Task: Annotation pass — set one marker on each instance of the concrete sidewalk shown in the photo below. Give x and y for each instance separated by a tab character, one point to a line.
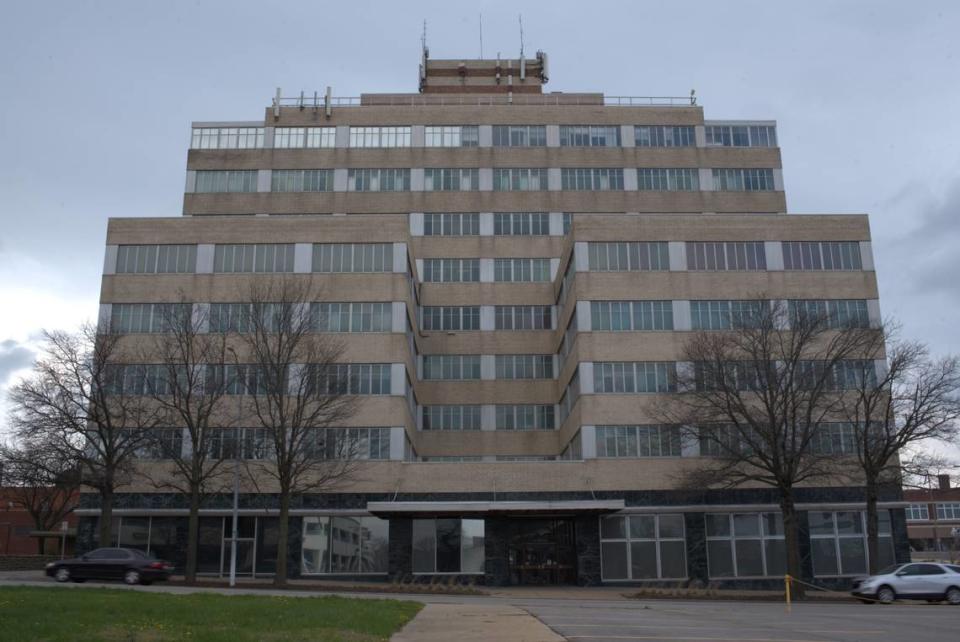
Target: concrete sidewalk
474	623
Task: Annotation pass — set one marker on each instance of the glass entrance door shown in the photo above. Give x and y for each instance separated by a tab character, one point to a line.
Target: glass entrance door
542	551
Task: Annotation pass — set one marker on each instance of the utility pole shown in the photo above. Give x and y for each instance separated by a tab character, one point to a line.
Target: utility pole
236	519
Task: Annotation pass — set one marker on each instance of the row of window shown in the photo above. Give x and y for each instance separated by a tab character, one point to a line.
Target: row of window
504	224
463	367
602	256
945	510
508	417
649	547
469	136
468	179
507	317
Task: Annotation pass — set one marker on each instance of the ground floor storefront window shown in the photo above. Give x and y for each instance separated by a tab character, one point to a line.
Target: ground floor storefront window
345	545
745	545
448	545
643	547
838	542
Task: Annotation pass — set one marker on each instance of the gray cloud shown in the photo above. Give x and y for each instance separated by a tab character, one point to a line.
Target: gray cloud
13	357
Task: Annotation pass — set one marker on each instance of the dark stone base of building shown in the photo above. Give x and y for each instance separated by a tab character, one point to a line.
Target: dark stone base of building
568	546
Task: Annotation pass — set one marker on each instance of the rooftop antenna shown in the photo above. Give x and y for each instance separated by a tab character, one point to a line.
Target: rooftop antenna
481	36
523	62
521	35
423	38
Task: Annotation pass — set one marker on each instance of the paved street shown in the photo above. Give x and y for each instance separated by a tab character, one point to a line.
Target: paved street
604	616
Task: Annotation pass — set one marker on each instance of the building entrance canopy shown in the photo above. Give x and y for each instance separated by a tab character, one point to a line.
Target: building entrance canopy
495	508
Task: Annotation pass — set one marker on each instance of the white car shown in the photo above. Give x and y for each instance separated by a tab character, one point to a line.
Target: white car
916	581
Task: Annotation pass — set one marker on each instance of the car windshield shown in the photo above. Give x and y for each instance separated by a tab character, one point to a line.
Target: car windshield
889	569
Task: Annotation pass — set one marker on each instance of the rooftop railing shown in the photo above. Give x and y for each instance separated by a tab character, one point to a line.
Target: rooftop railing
319	101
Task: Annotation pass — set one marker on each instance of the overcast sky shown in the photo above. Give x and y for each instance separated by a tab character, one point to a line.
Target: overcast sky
97	100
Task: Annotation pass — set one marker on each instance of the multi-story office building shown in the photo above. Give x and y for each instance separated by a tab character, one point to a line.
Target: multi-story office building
933	520
516	273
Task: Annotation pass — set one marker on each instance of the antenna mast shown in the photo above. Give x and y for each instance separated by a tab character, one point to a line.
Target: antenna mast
521	35
481	36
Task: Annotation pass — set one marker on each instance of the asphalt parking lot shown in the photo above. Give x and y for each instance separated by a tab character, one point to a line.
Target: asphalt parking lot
691	621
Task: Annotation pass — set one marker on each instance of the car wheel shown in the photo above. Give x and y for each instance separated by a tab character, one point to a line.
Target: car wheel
952	596
132	577
885	595
62	574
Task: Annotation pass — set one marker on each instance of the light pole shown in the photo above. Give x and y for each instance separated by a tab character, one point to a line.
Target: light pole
236	519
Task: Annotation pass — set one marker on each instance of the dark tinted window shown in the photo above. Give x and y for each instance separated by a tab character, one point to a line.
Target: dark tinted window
115	554
930	569
100	554
912	569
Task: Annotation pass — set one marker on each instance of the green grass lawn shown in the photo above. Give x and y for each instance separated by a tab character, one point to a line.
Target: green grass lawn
47	614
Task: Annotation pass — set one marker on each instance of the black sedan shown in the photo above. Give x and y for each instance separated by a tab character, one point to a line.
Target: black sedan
127	564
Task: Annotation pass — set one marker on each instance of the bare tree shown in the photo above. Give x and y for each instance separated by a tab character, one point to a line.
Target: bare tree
755	395
916	399
82	402
297	387
192	409
42	482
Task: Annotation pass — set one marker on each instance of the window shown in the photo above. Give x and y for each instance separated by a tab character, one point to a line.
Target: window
227	138
745	545
302	180
451	367
454	179
519	135
300	137
917	512
846	374
354	545
948	510
241	317
566	343
831	313
353	257
838	542
521	270
570	396
725	315
212	181
743	180
156	259
573	450
589	136
243	379
451	417
448	545
521	224
451	224
519	179
352	443
628	257
668	180
721	257
525	417
274	257
161	443
638	441
352	378
451	270
835	438
727	440
138	379
352	317
239	443
664	136
452	136
600	179
379	137
378	180
567	222
524	366
523	317
130	318
634	377
643	547
451	317
621	316
741	136
821	255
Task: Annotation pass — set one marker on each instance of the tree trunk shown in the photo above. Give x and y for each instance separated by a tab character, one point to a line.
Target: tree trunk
873	542
193	528
106	518
791	540
280	579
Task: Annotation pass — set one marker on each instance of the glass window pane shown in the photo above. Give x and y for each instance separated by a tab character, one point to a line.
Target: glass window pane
824	556
821	523
448	545
472	536
719	558
643	560
673	560
643	527
853	557
749	561
717	524
374	549
776	552
316	545
614	557
424	546
671	526
612	527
